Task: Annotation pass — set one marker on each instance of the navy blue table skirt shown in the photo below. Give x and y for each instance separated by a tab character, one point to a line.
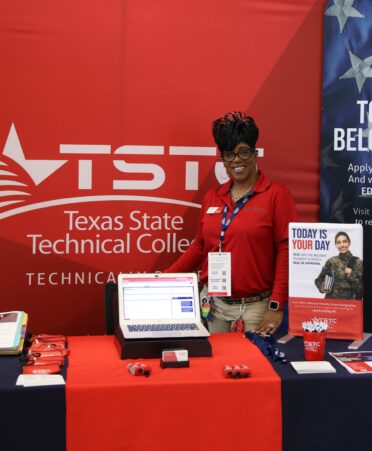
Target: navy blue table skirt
32	418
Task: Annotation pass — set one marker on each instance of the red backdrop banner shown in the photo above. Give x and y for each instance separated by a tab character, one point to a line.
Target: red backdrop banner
106	149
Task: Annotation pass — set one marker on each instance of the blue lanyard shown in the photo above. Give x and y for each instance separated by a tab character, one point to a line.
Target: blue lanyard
227	221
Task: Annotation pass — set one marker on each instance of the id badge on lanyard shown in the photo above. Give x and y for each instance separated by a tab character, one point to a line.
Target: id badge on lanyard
219	263
219	274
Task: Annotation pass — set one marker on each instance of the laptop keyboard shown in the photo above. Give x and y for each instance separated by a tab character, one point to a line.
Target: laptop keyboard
161	327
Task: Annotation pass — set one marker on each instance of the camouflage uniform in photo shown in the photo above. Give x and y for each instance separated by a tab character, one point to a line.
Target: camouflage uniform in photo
344	287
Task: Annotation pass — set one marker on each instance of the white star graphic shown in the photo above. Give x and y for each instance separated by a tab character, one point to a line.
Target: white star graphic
338	207
38	170
326	157
343	9
360	70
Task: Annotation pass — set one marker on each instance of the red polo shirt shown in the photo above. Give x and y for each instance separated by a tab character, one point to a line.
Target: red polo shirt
257	239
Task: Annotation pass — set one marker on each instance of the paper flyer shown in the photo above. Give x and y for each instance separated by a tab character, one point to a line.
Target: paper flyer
356	362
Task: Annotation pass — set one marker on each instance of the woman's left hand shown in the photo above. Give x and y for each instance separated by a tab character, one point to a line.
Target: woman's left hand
271	321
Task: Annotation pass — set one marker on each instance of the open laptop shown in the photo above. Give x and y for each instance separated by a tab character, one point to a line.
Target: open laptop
159	306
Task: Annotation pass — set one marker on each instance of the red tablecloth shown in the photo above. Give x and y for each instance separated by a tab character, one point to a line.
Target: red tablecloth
193	408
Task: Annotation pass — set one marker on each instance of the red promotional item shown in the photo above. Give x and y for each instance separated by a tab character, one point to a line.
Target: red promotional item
238	325
236	371
48	353
46	369
139	369
314	345
59	341
42	361
47	338
45	345
48	347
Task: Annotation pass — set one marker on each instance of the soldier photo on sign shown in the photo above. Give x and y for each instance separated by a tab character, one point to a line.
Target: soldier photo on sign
341	276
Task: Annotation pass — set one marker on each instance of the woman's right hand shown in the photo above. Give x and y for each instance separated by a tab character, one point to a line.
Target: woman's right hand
323	290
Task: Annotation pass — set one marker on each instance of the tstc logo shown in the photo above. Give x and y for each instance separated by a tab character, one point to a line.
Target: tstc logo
330	321
16	193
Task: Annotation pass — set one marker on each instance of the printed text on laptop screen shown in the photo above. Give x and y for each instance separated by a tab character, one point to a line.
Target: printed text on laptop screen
163	299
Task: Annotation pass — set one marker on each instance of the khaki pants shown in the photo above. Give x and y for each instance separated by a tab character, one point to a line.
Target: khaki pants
224	314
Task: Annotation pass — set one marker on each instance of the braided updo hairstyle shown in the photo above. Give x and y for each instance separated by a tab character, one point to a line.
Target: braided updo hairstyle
232	129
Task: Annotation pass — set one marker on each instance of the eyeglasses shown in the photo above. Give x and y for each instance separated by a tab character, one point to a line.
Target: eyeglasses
244	154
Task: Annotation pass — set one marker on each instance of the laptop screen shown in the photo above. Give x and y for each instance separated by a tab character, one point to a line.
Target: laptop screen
158	297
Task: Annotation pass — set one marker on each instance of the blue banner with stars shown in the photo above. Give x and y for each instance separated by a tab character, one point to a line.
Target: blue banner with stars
346	147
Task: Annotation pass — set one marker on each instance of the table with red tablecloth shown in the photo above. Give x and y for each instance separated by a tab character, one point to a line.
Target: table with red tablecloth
192	408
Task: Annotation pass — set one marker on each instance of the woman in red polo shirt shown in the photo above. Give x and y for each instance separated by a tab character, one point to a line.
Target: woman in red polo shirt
242	237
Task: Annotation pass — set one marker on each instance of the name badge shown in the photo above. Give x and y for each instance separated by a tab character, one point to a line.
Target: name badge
219	274
213	210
